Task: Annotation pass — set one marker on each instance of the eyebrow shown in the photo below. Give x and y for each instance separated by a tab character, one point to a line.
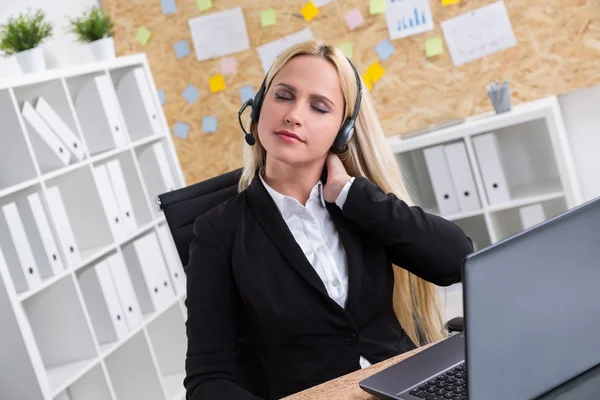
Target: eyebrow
293	89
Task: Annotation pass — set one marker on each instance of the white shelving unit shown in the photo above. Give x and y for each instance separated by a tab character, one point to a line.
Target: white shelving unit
538	166
83	316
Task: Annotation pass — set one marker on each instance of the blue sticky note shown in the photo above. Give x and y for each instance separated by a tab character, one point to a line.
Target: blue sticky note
181	130
209	124
162	97
182	48
191	94
385	49
168	6
246	92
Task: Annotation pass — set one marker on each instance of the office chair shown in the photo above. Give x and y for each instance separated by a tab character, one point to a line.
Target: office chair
181	208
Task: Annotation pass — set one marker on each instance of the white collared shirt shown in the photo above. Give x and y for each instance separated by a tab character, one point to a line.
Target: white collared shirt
317	236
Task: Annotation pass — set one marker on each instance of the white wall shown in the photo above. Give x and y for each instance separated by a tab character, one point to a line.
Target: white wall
61	49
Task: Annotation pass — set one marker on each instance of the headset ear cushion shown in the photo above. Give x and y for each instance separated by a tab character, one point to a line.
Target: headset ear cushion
343	137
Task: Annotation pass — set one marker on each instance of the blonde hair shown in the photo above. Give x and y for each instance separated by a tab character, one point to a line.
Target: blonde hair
415	300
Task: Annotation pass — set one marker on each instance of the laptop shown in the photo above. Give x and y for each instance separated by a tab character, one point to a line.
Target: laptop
532	319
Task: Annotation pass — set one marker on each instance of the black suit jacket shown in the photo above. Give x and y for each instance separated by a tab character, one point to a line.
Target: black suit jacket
246	267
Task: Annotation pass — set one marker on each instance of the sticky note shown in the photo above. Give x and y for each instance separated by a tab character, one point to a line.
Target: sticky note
367	81
309	11
181	130
143	35
216	83
385	49
449	2
377	6
374	72
168	6
204	5
162	97
346	48
182	48
434	46
246	92
191	94
228	66
354	19
209	124
268	17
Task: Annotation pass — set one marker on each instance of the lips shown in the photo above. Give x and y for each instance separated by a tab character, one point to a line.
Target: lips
289	134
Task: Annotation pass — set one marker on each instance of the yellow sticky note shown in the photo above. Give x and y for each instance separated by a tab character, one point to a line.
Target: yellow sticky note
216	83
377	6
367	81
449	2
309	10
143	35
346	48
204	5
434	46
375	72
268	17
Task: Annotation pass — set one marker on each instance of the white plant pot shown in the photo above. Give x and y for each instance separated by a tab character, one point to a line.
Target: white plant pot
31	60
103	49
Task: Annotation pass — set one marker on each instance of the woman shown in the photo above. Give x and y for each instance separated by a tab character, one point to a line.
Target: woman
302	258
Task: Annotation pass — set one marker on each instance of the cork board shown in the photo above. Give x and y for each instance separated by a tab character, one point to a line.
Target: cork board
558	47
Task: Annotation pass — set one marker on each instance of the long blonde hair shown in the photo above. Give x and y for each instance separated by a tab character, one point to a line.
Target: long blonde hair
415	301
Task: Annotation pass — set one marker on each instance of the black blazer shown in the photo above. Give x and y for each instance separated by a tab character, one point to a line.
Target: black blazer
246	268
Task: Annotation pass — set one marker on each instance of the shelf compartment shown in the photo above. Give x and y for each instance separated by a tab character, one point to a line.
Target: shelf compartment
132	371
417	180
91	386
64	339
16	162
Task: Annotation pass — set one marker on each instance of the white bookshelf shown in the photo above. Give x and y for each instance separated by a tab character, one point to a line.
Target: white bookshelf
538	165
72	329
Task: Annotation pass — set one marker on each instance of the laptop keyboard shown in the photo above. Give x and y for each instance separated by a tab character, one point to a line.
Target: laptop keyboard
449	385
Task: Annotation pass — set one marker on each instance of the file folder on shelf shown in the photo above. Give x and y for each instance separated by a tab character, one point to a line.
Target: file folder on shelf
125	291
462	176
163	167
138	104
487	150
62	225
172	259
117	179
61	153
60	128
443	189
531	215
109	202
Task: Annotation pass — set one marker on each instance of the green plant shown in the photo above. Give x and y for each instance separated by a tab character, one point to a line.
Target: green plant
24	32
92	25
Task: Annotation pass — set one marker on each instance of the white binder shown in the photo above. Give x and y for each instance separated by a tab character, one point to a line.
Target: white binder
140	110
532	215
59	127
22	246
62	225
488	156
462	176
109	202
443	189
154	270
124	287
163	166
172	259
112	109
117	179
61	153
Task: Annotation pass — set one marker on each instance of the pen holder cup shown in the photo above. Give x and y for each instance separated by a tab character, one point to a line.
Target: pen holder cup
501	99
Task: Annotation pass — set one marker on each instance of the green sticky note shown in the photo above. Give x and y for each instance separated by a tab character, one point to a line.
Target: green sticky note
377	6
434	46
268	17
204	5
143	35
346	48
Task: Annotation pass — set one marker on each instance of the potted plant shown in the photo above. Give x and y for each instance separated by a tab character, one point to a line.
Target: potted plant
96	28
21	37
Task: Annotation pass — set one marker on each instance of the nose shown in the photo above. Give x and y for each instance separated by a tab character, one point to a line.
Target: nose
292	117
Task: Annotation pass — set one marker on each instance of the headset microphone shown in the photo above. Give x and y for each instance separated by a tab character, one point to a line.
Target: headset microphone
248	136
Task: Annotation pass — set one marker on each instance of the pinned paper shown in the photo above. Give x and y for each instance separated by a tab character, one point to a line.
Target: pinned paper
309	11
374	72
204	5
449	2
182	48
168	6
408	17
191	94
209	124
162	97
181	130
268	17
269	52
346	48
354	19
434	46
385	49
143	35
377	6
246	93
228	66
321	3
216	83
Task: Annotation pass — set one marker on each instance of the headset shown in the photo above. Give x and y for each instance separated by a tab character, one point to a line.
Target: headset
340	144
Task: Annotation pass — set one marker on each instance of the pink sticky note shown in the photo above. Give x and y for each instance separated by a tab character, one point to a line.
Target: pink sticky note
354	19
228	66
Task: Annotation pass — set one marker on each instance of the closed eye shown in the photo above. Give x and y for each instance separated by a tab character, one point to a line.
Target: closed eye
285	98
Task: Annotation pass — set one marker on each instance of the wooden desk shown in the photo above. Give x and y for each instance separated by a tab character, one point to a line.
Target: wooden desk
346	387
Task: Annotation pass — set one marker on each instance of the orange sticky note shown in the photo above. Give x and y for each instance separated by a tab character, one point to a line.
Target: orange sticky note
375	72
309	10
449	2
216	83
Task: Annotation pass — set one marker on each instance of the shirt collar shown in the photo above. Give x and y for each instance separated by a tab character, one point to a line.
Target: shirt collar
278	198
